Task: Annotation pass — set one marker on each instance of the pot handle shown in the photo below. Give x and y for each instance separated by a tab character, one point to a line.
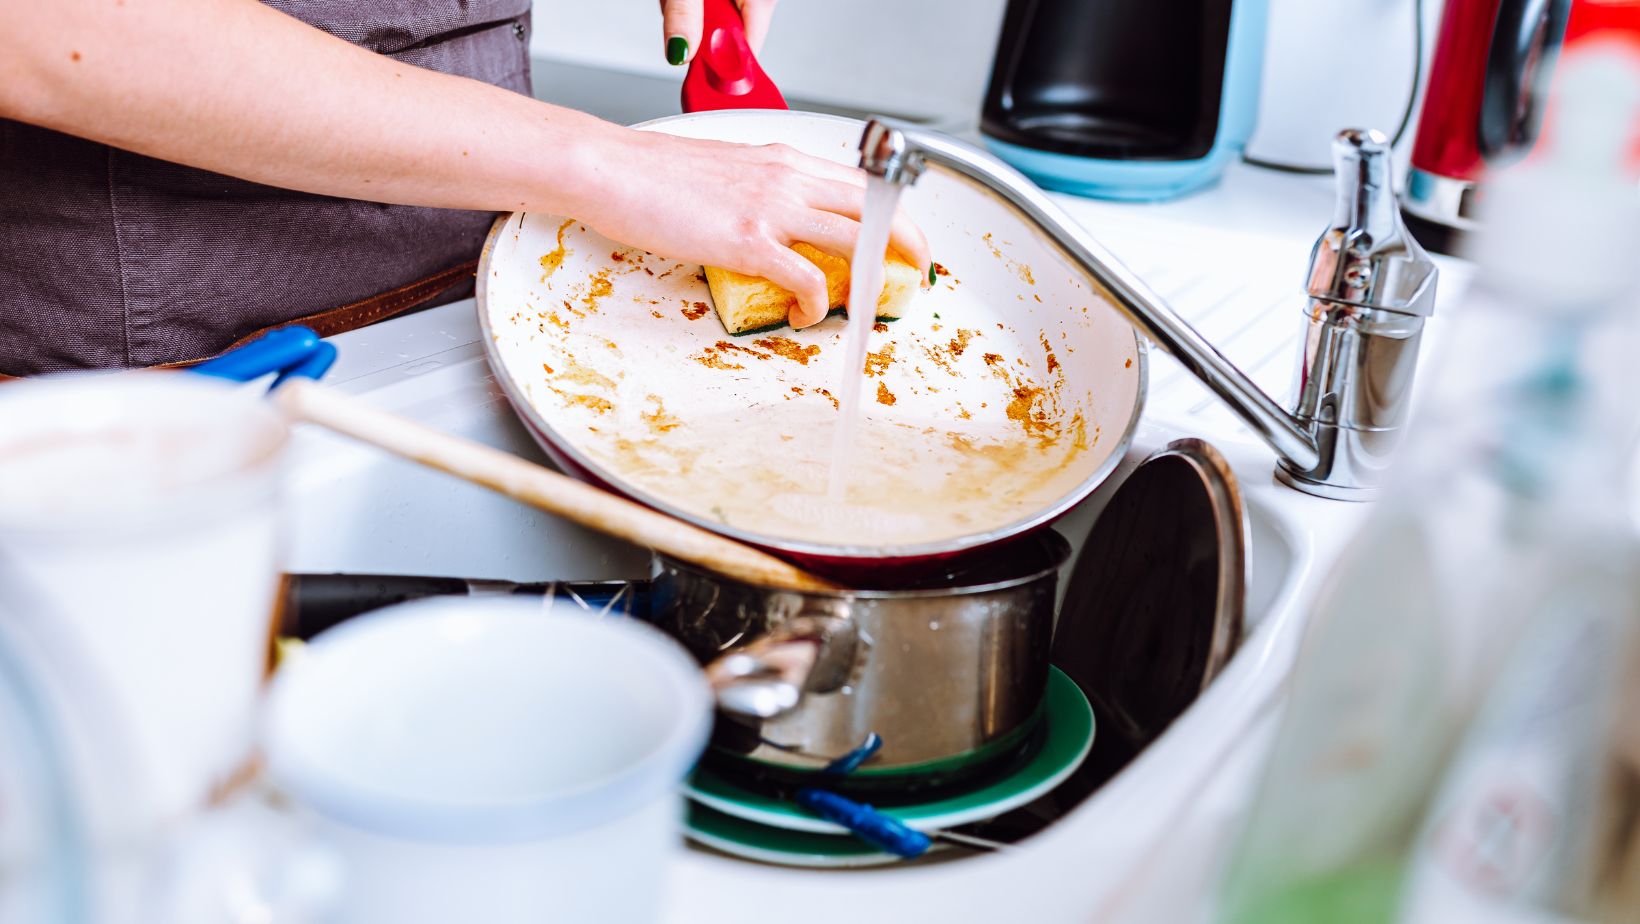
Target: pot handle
768	676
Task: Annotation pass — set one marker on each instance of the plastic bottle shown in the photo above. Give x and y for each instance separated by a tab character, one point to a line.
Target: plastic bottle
1507	491
1538	818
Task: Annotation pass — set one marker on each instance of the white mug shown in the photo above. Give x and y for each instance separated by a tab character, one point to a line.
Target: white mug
490	760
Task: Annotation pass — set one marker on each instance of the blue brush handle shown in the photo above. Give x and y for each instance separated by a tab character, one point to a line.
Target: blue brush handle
865	822
313	367
292	352
851	761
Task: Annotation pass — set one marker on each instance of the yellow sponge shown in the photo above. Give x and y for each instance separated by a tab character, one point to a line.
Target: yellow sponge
751	304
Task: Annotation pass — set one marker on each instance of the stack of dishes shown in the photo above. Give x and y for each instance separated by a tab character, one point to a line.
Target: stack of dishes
756	824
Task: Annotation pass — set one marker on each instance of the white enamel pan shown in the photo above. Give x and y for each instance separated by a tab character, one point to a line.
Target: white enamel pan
1007	393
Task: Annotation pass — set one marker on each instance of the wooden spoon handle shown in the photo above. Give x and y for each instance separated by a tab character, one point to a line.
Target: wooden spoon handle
539	487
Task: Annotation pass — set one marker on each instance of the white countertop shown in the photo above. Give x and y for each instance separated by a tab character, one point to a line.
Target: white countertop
1230	259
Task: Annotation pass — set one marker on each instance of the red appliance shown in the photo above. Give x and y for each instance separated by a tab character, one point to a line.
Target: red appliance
1488	83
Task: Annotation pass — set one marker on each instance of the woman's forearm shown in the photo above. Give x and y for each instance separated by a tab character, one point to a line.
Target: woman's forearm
239	88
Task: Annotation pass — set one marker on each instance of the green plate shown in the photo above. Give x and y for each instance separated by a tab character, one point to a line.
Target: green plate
752	841
1069	736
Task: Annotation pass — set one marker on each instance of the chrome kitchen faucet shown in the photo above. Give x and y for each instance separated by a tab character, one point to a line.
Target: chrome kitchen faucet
1370	287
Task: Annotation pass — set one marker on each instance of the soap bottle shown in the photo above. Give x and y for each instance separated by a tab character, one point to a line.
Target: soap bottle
1538	816
1505	487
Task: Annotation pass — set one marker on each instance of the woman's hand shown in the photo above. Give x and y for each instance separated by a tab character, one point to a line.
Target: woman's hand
740	207
681	20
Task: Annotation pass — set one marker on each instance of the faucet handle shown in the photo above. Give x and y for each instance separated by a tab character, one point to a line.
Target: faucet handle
1367	257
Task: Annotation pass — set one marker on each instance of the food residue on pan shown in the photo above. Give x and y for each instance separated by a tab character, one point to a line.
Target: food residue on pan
724	346
597	287
1047	348
554	258
961	341
940	270
1017	268
581	375
597	404
1026	410
880	327
658	419
947	355
713	357
694	311
711	360
877	363
787	348
884	396
829	396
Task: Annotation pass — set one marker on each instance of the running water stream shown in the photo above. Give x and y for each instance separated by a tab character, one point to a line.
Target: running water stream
865	287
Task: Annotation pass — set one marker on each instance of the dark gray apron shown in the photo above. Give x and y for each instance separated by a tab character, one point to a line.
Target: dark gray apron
109	258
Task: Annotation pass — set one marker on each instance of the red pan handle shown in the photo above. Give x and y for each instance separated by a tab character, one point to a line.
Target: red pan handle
724	73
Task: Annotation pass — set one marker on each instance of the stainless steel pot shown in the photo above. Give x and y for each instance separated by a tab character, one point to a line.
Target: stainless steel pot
950	674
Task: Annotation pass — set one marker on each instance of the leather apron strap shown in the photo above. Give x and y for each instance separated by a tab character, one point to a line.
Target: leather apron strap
357	314
367	311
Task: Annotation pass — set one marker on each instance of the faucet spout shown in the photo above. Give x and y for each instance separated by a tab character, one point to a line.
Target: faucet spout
901	153
1370	288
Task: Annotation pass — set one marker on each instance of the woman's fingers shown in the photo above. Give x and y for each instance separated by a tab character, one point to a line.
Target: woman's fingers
908	239
839	188
829	231
818	166
849	200
756	14
782	266
681	22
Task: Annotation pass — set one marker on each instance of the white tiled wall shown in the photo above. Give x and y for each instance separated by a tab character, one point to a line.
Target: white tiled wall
1331	63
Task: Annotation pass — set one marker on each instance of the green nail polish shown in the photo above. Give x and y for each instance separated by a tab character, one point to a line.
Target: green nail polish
677	48
930	274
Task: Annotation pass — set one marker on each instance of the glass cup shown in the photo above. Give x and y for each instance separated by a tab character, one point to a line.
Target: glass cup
139	548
